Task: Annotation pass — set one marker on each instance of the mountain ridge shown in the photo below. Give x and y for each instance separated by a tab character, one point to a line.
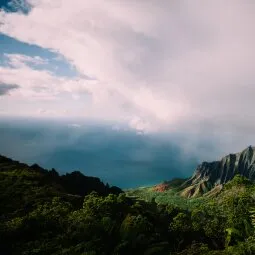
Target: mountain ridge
211	175
24	186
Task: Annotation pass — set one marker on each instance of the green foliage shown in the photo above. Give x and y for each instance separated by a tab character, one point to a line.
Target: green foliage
238	180
44	213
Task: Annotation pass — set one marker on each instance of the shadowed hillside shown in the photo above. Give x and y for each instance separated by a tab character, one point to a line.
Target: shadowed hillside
212	176
23	186
44	213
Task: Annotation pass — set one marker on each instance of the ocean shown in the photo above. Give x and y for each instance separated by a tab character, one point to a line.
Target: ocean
116	154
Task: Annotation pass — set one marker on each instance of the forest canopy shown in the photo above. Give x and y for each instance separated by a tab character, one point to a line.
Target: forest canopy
42	212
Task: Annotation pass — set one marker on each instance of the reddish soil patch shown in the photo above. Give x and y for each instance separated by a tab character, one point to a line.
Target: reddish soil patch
161	187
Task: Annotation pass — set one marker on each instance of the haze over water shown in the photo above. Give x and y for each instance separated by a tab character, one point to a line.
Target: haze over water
118	156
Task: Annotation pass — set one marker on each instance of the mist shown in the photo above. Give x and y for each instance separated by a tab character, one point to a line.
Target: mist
118	156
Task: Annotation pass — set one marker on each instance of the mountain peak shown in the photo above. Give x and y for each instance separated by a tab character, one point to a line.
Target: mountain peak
209	175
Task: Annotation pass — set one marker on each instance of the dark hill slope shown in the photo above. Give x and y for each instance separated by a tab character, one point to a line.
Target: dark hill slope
23	186
39	216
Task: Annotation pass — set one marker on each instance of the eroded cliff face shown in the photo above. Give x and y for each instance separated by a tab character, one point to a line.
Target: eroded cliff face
212	176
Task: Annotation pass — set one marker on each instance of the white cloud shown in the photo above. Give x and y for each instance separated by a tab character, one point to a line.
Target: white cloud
37	83
19	60
156	63
74	125
139	124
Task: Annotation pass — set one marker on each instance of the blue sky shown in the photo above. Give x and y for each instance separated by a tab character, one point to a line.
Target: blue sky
56	64
157	66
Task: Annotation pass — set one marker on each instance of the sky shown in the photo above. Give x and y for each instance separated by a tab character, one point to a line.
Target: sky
156	65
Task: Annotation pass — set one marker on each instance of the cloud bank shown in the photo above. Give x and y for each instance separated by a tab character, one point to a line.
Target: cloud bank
159	65
6	88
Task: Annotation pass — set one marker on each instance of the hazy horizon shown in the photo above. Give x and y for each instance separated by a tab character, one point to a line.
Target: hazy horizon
166	84
120	157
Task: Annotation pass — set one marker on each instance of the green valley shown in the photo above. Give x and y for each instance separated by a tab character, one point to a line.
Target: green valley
42	212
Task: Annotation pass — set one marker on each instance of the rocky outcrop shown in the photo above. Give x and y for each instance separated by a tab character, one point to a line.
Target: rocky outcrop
167	185
162	187
213	175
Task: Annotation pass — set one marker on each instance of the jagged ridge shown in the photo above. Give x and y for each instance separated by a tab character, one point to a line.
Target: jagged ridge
213	175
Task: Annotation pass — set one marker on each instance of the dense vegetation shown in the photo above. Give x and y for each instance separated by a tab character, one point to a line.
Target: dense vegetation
44	213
